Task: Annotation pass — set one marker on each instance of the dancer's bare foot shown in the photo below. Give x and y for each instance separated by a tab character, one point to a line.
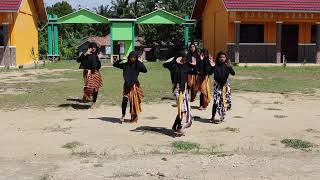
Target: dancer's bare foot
201	108
93	106
122	119
212	120
134	118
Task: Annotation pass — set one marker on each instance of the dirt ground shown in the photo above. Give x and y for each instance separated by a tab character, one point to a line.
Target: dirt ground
246	146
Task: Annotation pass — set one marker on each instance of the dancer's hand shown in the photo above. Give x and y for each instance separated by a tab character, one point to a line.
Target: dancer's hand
194	61
100	55
211	60
88	52
228	62
89	72
201	56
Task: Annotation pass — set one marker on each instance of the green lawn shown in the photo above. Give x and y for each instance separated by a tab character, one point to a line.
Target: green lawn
156	84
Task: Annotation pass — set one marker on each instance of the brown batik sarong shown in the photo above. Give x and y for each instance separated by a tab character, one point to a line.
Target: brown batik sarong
93	82
203	85
135	98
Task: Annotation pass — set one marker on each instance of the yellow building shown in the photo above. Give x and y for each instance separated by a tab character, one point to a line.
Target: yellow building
261	31
19	30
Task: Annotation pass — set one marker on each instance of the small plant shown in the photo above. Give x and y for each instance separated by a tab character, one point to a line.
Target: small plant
44	177
72	145
20	66
304	62
185	146
297	144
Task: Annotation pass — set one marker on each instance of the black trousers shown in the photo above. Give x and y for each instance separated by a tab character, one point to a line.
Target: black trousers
94	96
214	110
125	100
201	99
177	124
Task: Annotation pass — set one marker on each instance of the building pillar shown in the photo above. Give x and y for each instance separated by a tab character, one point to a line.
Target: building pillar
186	33
318	42
237	41
278	41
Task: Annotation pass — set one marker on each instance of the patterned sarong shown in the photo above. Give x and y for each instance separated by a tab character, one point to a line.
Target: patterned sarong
93	82
222	98
135	98
184	107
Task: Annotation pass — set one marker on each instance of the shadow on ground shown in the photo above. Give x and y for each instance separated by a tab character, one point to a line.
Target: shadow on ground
111	119
158	130
75	106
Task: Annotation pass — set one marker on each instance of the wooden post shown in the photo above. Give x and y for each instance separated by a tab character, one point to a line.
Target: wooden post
318	42
278	43
237	41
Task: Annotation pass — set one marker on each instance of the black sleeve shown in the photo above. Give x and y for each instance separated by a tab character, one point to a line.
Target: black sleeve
169	65
95	62
81	58
118	65
142	67
232	71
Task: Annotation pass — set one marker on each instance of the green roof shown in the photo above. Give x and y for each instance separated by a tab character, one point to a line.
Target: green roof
83	16
160	16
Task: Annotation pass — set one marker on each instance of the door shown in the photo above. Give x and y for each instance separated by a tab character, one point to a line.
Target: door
289	42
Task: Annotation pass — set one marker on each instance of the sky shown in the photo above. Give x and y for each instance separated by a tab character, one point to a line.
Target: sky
84	3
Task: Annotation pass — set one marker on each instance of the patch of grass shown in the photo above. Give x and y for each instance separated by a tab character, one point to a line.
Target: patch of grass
280	116
151	118
126	174
69	119
185	146
310	130
98	165
297	144
238	117
72	145
273	109
83	153
58	128
44	177
265	79
235	130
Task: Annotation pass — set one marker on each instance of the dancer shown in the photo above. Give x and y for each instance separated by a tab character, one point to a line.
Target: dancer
202	79
90	62
180	68
132	91
192	56
222	89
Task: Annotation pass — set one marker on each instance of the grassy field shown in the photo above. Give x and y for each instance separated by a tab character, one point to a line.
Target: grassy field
156	84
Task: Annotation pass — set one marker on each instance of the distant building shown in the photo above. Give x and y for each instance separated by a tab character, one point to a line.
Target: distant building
261	31
19	30
104	45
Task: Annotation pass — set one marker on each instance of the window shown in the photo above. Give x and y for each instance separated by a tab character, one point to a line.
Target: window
313	34
251	33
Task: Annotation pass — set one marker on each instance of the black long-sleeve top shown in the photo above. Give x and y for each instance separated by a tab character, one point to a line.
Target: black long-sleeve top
179	72
90	61
221	73
204	67
193	54
130	71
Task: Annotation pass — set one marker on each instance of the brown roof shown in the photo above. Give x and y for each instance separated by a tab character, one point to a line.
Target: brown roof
105	41
262	5
14	6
